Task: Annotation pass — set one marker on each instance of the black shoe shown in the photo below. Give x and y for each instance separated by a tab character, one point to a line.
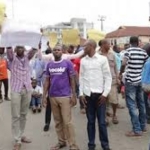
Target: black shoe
39	110
148	121
34	111
46	128
91	148
107	149
7	99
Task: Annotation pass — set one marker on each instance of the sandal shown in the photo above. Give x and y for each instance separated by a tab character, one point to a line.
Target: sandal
58	146
120	107
25	140
115	120
109	114
133	134
17	147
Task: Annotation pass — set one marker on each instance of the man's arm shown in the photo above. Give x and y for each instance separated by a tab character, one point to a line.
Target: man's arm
31	53
81	74
106	77
10	54
77	55
73	85
46	86
44	56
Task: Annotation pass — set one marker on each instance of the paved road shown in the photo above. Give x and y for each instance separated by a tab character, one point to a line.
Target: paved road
43	141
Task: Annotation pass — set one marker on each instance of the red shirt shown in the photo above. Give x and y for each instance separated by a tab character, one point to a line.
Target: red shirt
76	64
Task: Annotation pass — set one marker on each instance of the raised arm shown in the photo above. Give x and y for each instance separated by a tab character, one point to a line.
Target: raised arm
31	53
77	55
10	54
107	78
44	56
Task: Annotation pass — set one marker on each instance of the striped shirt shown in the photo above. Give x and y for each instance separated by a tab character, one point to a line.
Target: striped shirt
20	71
136	58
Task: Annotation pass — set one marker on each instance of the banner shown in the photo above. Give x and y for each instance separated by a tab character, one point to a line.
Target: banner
19	34
95	35
11	39
70	36
53	39
2	11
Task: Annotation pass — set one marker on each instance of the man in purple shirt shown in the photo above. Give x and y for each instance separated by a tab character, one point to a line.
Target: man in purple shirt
20	91
60	84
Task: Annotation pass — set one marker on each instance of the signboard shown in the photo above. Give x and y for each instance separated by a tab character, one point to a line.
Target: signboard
70	36
20	34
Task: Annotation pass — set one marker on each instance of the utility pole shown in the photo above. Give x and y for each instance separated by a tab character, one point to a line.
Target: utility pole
101	19
149	11
13	14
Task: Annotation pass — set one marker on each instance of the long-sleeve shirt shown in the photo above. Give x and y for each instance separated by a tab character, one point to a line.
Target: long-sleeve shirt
95	75
20	70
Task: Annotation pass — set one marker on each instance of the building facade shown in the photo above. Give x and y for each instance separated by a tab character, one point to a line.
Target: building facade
122	35
75	23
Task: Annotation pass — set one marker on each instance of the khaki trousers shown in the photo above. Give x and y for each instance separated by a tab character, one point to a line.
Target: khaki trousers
2	134
61	109
19	109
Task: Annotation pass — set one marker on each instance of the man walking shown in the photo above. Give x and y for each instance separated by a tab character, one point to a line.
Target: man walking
95	84
20	92
134	60
60	82
3	75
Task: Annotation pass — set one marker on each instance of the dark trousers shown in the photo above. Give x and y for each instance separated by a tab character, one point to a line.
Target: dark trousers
147	106
48	112
93	111
5	82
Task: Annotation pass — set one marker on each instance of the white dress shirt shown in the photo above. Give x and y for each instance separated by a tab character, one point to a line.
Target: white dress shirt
95	75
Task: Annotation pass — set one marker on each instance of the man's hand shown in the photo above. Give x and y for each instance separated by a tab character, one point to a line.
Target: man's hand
118	82
102	100
83	100
73	101
120	77
44	101
40	45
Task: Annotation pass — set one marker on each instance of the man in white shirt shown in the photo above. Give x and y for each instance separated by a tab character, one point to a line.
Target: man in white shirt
95	84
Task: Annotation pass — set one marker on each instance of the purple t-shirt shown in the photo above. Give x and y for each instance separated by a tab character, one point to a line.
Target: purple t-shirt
59	73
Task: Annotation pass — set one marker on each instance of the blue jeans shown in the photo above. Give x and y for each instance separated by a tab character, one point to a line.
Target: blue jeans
135	99
147	106
93	110
35	101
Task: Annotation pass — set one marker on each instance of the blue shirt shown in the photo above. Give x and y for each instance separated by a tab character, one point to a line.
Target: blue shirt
39	66
146	73
118	60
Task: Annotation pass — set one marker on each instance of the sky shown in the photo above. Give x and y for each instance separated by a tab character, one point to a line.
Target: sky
49	12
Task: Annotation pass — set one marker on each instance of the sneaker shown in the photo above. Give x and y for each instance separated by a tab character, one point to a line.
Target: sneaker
46	128
39	110
34	110
144	130
7	99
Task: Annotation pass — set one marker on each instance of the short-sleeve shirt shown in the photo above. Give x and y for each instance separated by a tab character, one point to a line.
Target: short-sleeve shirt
37	89
136	58
3	69
59	73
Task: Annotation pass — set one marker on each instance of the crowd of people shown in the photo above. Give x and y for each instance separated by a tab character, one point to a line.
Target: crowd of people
94	76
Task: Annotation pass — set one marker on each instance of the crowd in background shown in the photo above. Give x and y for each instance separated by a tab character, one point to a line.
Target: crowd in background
94	75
